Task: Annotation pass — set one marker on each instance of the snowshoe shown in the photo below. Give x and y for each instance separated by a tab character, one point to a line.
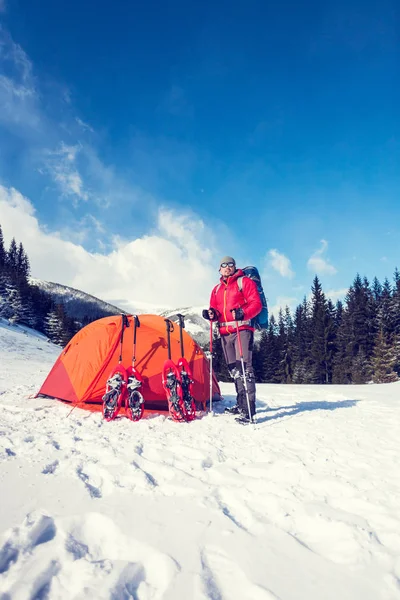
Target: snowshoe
172	385
134	399
187	384
115	393
243	418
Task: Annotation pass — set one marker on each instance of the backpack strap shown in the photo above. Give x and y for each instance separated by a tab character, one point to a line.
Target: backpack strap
239	282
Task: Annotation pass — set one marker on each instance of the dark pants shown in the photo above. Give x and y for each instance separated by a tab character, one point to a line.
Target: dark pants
230	347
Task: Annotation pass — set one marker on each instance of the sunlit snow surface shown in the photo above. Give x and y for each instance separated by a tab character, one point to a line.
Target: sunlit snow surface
305	504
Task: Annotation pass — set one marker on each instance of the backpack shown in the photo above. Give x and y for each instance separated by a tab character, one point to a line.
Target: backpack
261	320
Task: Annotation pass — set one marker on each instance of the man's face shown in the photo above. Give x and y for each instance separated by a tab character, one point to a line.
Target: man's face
227	269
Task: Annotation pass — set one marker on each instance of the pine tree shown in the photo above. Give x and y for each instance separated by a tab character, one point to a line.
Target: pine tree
302	343
376	290
4	277
11	258
257	358
383	360
16	305
22	265
289	345
396	303
318	303
342	362
385	313
271	355
42	304
54	326
330	348
323	334
285	339
357	332
7	291
338	314
360	368
396	353
2	251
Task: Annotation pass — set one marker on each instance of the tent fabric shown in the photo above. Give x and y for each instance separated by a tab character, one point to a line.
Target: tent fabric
80	373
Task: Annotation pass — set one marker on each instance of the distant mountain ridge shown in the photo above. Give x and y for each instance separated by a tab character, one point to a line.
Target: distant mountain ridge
78	305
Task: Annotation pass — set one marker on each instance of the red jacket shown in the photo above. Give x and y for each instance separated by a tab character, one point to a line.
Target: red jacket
226	296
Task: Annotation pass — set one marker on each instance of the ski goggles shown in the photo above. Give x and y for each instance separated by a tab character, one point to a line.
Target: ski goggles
229	264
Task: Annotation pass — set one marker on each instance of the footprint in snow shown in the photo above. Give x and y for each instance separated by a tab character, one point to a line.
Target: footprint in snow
222	577
207	463
94	490
89	552
236	504
50	468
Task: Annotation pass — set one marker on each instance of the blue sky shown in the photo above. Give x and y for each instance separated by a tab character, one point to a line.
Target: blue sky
269	131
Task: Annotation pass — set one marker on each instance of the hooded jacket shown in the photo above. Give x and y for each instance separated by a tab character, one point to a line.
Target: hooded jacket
226	296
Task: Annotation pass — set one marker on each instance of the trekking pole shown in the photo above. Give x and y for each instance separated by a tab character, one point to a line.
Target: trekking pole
125	323
169	327
244	372
211	362
135	326
181	327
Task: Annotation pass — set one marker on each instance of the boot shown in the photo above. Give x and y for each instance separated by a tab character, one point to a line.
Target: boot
243	417
233	410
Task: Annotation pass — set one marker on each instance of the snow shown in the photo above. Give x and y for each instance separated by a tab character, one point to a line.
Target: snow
305	504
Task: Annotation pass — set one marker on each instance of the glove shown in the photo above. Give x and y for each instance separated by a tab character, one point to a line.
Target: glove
209	314
238	314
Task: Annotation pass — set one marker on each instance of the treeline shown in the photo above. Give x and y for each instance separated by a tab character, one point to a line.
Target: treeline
26	304
355	341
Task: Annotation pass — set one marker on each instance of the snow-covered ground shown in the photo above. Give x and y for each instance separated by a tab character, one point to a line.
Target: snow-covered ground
303	505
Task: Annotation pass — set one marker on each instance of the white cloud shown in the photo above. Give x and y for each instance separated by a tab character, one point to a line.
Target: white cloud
61	165
318	264
18	94
84	125
2	6
174	266
280	263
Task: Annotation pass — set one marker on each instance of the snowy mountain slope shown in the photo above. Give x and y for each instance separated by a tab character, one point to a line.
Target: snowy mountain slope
75	301
302	505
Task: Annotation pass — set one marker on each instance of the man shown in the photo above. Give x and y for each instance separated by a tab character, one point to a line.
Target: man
235	303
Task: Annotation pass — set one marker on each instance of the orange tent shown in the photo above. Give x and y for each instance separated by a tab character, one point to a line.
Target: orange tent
80	373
